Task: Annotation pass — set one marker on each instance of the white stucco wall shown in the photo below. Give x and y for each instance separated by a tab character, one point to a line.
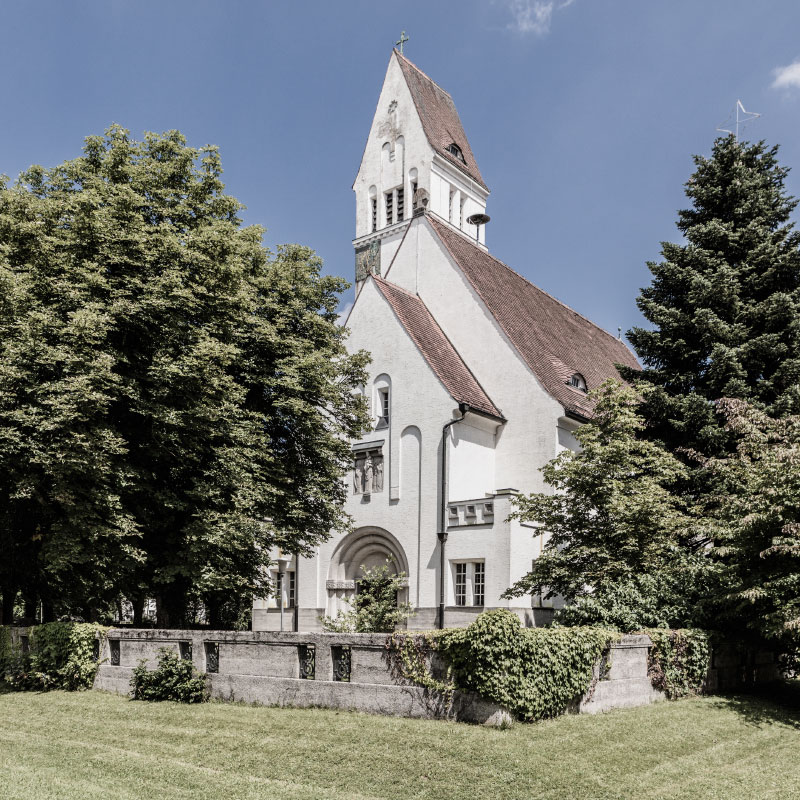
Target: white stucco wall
486	460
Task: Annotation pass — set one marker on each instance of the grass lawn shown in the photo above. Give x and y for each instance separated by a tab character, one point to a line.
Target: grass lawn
93	745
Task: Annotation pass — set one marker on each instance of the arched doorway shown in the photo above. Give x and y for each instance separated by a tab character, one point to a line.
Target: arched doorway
362	549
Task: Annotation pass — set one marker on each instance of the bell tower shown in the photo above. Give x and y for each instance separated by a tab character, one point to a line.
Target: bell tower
416	160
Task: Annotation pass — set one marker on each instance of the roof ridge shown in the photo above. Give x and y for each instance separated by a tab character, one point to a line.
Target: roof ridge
423	73
469	241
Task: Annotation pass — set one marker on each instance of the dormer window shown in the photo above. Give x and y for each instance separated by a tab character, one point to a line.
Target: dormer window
456	152
577	381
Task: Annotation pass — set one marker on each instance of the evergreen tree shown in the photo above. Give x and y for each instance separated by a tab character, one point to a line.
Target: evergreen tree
175	400
725	305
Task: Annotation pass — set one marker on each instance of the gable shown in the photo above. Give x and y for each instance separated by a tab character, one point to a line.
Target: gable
552	339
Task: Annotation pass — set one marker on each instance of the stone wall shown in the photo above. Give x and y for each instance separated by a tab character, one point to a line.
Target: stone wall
343	671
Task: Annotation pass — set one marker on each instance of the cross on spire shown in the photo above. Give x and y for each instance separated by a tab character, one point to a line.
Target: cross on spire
403	40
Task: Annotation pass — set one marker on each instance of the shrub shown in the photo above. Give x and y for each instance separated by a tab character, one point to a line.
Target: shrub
173	679
5	650
678	661
535	673
374	608
61	655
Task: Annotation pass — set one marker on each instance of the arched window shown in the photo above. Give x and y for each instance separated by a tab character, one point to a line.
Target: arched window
577	381
373	208
456	152
381	408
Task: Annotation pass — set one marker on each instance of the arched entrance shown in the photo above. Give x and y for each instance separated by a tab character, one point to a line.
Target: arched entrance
362	549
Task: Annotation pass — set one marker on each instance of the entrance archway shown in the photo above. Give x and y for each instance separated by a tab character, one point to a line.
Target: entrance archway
364	548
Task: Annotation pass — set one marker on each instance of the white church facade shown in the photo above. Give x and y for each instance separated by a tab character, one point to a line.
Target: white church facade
477	379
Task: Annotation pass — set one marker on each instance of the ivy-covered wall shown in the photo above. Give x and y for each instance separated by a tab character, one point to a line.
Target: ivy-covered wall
56	655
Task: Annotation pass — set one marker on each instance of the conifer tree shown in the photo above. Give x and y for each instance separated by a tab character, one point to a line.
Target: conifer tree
725	304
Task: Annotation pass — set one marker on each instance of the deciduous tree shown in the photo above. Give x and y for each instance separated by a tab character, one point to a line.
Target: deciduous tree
174	399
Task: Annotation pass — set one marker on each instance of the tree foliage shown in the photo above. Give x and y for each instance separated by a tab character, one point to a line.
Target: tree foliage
725	304
174	398
612	520
757	527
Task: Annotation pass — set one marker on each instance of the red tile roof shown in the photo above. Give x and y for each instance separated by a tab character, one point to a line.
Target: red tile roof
555	341
436	347
439	117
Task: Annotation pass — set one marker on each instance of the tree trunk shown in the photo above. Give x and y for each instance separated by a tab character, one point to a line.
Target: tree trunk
138	611
7	613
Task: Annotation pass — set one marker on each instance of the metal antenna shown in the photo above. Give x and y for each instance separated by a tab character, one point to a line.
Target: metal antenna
739	117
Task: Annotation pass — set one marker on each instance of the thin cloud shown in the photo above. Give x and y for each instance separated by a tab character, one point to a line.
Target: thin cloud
535	16
787	77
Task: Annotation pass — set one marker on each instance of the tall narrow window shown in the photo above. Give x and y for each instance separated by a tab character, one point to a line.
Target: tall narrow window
401	204
291	598
374	210
478	583
413	195
461	584
389	207
461	212
450	205
383	408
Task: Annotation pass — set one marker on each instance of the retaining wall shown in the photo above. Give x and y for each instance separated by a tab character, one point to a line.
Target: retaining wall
343	671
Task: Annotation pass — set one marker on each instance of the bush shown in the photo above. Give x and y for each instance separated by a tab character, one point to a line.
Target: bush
678	661
61	655
535	673
374	608
173	679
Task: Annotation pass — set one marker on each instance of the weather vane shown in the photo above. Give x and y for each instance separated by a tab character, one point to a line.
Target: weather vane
739	117
403	40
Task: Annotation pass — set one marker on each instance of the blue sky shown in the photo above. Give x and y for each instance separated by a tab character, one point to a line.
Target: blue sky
583	114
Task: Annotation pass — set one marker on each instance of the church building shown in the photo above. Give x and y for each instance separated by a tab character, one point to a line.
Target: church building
478	378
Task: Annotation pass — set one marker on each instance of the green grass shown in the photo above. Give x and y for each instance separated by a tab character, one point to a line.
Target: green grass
90	745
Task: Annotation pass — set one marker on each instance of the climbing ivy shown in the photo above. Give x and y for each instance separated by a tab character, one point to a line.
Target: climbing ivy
678	661
61	655
535	673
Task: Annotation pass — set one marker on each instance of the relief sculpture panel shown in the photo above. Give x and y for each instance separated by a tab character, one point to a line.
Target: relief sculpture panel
368	472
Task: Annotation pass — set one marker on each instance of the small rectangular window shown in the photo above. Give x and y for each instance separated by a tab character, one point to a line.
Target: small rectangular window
401	204
389	207
374	208
479	583
461	584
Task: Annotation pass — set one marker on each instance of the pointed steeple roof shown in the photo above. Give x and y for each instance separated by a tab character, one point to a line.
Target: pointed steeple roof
439	118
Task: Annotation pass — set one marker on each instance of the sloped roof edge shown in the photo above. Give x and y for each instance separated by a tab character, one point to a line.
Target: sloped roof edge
436	348
554	340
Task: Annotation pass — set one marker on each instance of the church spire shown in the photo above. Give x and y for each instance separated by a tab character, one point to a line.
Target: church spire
417	157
